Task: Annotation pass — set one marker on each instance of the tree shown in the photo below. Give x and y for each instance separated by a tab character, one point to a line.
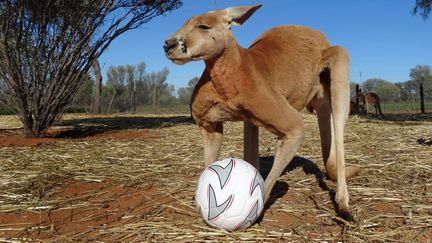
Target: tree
131	87
408	90
141	85
47	46
156	81
372	84
116	77
127	86
386	90
185	93
422	74
423	7
167	97
96	107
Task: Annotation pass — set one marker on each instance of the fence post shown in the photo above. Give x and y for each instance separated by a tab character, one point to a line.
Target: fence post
357	100
422	107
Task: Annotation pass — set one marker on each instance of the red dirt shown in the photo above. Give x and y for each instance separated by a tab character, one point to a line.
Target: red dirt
106	204
15	138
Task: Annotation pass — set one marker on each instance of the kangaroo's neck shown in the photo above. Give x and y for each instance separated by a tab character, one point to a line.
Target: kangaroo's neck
228	69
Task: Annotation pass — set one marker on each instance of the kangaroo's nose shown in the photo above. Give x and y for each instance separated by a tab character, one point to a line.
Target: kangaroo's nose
170	44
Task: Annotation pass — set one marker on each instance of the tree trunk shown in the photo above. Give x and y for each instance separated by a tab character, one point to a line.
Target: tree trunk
422	105
112	101
134	96
91	103
154	100
98	87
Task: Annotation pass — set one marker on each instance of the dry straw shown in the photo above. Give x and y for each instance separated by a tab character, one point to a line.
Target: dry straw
391	200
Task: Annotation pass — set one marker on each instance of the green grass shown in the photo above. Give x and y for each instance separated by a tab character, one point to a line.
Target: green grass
396	107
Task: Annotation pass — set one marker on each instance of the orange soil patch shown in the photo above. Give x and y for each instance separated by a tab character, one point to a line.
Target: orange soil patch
104	205
15	138
98	206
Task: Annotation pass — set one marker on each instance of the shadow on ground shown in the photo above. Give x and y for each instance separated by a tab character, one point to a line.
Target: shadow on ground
400	117
81	128
281	188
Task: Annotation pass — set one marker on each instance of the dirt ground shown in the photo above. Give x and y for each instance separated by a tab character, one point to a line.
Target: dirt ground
132	178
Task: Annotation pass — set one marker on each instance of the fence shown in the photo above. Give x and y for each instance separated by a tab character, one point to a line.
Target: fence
417	101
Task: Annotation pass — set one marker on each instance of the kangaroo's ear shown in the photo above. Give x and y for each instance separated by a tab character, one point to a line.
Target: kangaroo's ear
238	15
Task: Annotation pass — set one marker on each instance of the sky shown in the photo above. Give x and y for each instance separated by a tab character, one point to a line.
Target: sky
383	38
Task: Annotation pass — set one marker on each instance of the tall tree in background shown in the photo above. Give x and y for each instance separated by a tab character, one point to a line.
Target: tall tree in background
167	98
185	93
47	46
140	85
96	99
386	90
372	84
409	90
422	74
423	7
131	87
156	81
127	85
116	77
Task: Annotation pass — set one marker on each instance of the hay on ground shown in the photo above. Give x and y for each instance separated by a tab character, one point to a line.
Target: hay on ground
391	199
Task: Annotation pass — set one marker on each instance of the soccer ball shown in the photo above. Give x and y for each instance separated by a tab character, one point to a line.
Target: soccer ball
230	194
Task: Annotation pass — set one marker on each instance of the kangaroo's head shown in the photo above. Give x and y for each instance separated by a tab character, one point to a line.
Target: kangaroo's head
205	36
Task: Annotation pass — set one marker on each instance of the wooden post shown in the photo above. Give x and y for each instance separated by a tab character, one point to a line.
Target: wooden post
357	100
250	143
422	107
96	105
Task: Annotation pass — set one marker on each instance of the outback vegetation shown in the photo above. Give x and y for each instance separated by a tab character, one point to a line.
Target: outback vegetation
47	49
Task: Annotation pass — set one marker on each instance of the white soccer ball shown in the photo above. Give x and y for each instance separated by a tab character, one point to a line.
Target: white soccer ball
230	194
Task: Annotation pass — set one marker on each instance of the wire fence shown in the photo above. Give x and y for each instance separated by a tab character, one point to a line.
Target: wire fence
412	106
419	100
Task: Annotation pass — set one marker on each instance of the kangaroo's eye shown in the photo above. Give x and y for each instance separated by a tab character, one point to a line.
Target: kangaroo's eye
204	27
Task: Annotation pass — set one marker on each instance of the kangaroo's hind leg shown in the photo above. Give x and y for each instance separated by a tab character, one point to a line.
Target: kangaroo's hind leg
332	116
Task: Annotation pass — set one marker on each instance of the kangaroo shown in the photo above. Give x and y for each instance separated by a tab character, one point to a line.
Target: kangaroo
286	69
370	98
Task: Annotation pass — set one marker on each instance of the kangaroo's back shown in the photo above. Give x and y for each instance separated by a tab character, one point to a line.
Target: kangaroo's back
291	55
293	35
292	48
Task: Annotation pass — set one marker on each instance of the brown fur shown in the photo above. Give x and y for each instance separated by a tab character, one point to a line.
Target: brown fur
286	69
371	98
